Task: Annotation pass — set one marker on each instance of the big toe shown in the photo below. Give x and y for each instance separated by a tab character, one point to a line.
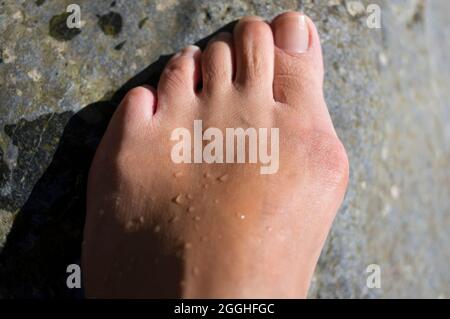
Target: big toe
298	56
298	70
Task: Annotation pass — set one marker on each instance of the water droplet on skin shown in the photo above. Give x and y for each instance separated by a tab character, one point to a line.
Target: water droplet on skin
141	219
188	245
207	175
177	174
189	196
268	228
178	199
197	218
174	219
223	178
190	209
242	216
157	229
216	201
205	186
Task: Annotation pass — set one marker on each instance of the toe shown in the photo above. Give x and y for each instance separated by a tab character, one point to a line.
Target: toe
298	57
254	50
135	111
298	74
217	64
180	78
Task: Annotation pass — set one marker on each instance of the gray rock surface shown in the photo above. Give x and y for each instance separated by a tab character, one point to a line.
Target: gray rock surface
387	91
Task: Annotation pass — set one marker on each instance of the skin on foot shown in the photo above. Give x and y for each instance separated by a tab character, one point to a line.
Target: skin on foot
155	228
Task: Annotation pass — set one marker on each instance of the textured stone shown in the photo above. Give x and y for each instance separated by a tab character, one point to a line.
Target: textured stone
387	90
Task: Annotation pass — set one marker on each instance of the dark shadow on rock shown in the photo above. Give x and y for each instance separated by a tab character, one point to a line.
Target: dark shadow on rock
47	232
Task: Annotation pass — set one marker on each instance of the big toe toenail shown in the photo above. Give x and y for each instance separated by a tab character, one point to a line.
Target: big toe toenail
291	32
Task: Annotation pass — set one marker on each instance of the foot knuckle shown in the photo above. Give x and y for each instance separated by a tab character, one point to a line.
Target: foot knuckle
214	73
180	64
293	65
176	72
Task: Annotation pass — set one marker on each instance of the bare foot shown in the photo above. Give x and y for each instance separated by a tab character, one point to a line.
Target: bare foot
156	228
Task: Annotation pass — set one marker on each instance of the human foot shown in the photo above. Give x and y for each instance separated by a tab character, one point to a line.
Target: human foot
155	228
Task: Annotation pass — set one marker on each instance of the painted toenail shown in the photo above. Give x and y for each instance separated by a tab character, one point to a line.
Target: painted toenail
292	33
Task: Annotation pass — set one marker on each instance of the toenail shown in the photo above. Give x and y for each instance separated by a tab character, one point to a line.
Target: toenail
148	87
222	36
190	50
252	18
292	33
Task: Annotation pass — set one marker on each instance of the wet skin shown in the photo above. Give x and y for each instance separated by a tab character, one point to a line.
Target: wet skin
156	228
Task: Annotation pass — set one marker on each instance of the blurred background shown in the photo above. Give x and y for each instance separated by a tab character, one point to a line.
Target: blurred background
387	89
